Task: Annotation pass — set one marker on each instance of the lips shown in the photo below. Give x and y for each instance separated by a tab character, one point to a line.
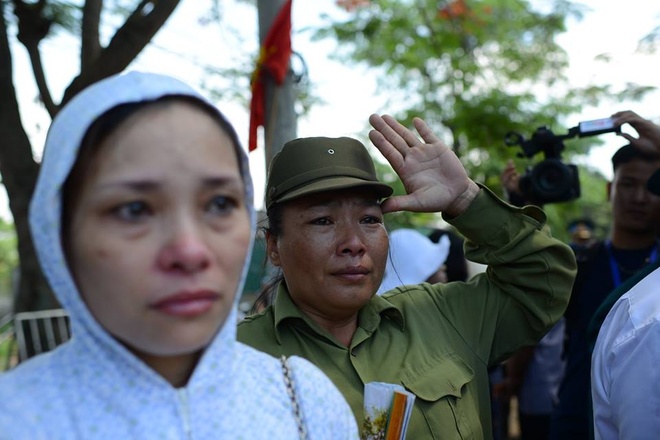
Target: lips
353	270
187	303
637	213
352	273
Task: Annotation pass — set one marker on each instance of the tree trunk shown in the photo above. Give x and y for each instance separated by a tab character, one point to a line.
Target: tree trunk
19	173
17	165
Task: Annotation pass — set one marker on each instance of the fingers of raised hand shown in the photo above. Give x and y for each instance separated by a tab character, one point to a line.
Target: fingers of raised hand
396	134
408	136
382	126
425	131
382	136
389	151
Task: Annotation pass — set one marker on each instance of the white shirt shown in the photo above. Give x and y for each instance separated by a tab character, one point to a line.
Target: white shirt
625	373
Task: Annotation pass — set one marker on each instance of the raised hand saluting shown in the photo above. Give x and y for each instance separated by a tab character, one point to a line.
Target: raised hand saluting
434	178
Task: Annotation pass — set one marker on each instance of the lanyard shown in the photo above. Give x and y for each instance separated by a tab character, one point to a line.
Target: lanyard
616	274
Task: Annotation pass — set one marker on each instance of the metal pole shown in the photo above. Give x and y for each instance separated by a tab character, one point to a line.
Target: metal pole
281	119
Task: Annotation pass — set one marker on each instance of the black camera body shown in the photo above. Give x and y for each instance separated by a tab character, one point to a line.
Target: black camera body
552	180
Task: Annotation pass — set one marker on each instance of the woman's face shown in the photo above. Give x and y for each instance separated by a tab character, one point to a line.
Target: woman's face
332	251
160	230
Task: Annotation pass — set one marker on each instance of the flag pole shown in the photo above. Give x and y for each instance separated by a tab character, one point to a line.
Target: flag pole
280	119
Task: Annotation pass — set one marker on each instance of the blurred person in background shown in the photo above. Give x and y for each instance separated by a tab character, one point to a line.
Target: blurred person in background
581	231
456	265
606	265
625	377
625	331
413	258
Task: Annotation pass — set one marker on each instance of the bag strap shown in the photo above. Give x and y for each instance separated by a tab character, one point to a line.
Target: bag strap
291	390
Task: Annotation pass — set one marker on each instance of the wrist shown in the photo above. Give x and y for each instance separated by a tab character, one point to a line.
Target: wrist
463	201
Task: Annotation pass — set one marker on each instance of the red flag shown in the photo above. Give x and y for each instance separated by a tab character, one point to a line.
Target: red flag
274	60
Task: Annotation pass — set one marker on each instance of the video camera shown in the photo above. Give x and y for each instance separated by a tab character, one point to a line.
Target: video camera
551	180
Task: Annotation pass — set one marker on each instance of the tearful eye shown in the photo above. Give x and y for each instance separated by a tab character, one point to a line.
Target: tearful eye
132	210
222	205
321	221
372	220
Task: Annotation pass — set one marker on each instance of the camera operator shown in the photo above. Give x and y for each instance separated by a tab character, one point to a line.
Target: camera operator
510	178
607	264
625	373
648	139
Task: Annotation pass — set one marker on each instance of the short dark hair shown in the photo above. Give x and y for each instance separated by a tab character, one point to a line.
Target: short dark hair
628	153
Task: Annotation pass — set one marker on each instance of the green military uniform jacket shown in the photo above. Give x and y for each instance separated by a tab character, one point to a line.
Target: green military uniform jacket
438	340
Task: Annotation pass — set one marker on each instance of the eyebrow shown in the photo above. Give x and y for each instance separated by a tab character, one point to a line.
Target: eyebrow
214	182
147	185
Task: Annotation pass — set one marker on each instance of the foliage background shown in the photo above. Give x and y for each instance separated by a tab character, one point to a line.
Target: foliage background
476	70
473	74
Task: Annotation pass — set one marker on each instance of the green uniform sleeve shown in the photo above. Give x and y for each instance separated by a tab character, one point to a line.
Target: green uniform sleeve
525	288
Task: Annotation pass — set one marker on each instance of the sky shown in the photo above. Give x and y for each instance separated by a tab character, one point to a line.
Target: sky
349	93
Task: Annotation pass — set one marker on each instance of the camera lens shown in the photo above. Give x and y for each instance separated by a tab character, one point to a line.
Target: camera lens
550	179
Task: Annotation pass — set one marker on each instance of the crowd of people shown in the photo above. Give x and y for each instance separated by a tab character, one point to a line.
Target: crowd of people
607	268
143	221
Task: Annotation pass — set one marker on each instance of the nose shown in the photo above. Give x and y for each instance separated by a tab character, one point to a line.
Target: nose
350	241
641	194
184	249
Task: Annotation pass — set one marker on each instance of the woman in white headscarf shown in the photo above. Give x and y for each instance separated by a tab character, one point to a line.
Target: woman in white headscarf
142	218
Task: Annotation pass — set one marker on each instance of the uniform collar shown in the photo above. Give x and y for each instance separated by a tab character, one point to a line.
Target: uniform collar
369	317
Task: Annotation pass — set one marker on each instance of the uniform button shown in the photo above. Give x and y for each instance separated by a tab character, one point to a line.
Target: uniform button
353	352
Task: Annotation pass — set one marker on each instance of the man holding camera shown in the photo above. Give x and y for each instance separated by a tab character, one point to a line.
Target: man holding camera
602	265
625	375
605	265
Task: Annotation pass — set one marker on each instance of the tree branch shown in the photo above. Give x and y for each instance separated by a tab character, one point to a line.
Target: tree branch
129	40
33	26
91	44
40	78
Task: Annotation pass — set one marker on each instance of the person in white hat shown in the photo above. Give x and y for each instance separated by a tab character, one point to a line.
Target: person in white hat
414	259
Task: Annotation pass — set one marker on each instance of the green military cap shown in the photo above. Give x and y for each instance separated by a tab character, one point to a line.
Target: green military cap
315	164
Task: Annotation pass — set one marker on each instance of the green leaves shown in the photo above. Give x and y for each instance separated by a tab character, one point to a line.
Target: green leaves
8	257
475	70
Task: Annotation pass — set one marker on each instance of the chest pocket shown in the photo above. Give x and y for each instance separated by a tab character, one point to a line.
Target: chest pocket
444	393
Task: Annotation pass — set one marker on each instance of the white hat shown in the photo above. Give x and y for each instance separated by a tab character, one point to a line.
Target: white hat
413	258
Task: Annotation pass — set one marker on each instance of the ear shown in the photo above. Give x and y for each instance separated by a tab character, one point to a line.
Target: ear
609	191
272	249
